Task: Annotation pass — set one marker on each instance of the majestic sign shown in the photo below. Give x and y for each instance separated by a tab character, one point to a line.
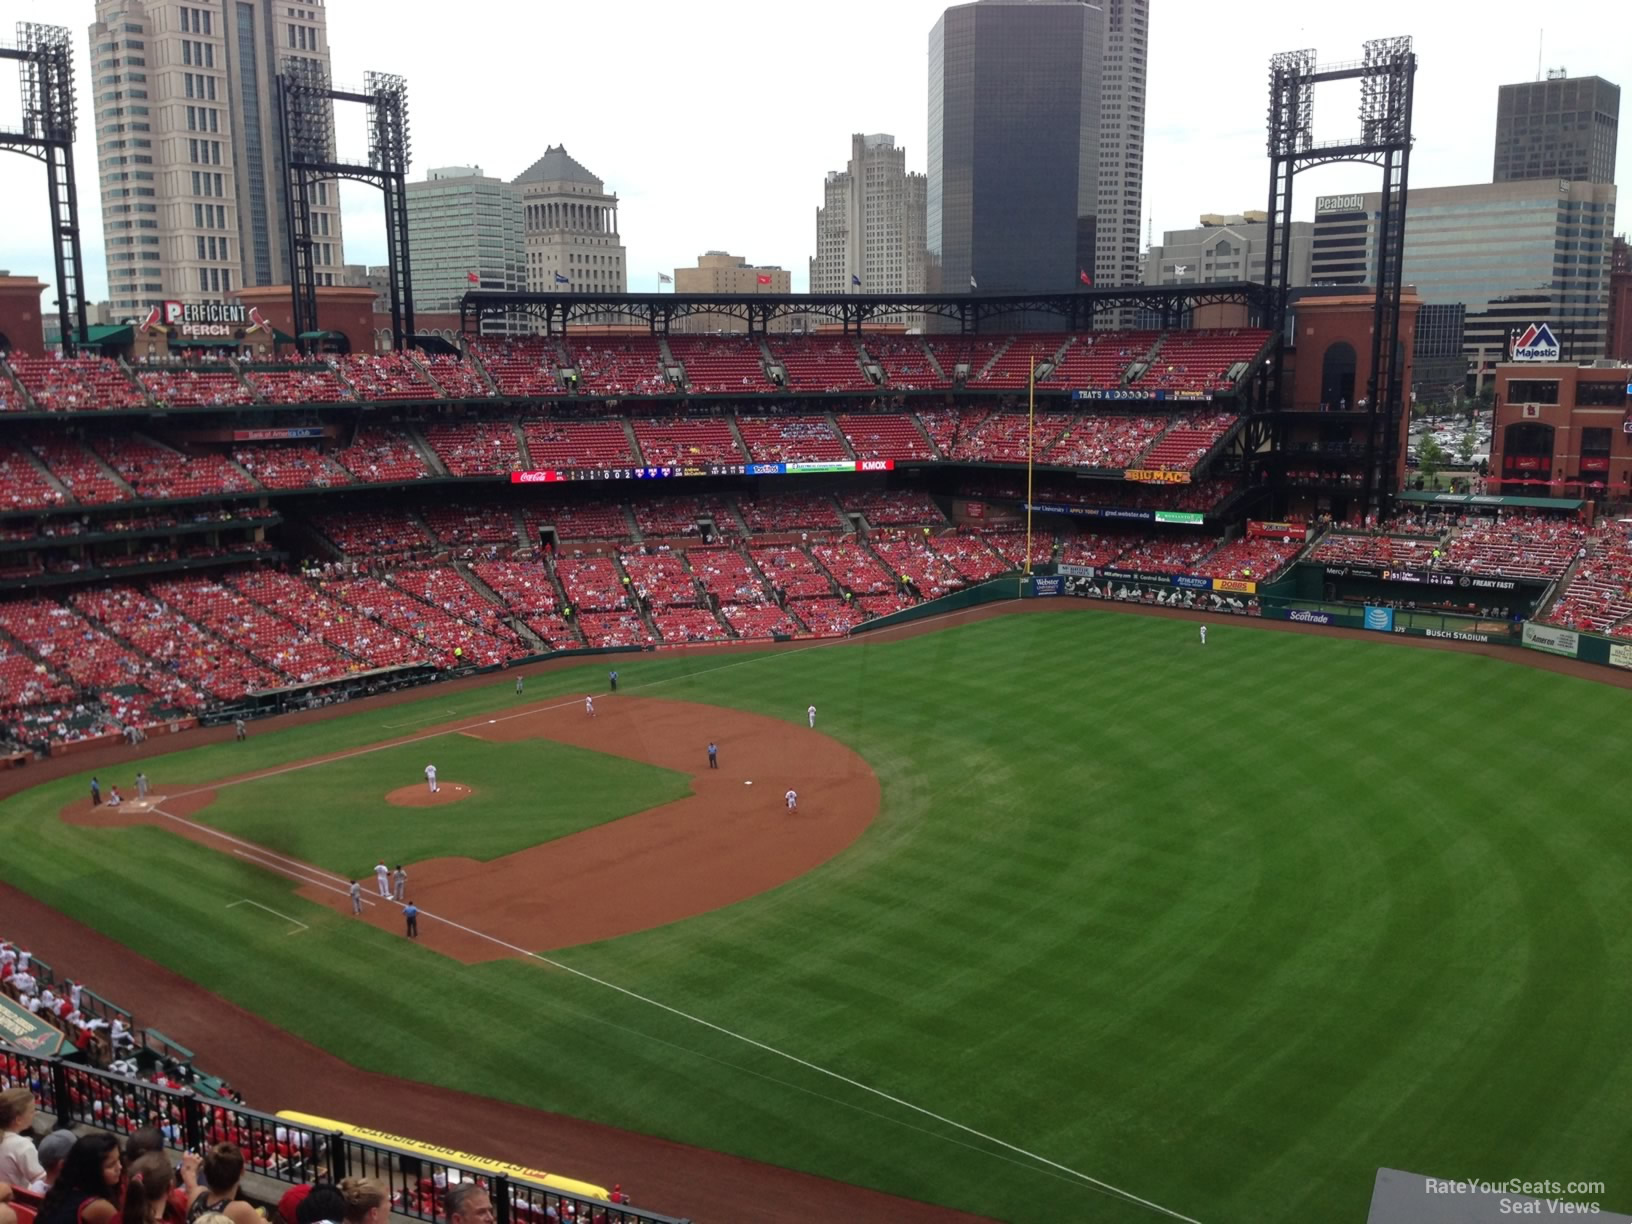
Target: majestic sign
1342	203
1535	343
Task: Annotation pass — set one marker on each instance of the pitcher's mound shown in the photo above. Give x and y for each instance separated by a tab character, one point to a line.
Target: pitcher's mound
421	796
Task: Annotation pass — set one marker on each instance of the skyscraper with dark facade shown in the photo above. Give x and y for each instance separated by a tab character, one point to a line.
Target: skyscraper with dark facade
1030	188
1560	128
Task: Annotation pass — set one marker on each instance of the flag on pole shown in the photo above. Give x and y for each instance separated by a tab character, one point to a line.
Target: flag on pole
1084	277
972	284
562	280
473	278
855	280
764	279
663	278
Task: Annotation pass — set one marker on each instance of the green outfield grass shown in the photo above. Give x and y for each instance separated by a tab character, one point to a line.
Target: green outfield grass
1227	927
335	814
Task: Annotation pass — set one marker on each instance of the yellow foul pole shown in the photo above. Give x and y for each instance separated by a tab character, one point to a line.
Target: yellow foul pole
1031	451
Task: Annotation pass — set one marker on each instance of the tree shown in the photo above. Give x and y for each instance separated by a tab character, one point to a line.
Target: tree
1464	446
1431	458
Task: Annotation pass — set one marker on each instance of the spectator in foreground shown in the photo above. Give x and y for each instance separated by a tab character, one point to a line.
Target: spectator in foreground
148	1182
19	1160
322	1205
88	1188
223	1169
366	1201
54	1149
468	1203
147	1141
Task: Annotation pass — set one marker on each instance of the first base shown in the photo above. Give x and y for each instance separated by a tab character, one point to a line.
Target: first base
747	783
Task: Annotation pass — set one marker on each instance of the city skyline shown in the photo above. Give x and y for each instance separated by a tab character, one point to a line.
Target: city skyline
1204	148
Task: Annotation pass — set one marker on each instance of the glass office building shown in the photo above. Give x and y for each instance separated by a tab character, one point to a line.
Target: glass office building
1509	254
1016	94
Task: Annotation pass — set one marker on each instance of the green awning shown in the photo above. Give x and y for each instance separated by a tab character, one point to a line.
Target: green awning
1479	499
108	333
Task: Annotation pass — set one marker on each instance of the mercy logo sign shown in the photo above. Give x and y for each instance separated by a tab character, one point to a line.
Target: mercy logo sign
1535	343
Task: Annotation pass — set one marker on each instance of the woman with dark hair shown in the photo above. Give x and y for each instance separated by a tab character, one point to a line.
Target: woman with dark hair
223	1168
88	1186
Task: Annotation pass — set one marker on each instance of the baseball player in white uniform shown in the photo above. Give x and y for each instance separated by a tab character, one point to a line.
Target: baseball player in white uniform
1204	635
793	800
430	778
356	897
812	714
382	878
589	706
399	883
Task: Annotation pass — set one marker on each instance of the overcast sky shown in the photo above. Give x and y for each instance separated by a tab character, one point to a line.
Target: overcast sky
715	122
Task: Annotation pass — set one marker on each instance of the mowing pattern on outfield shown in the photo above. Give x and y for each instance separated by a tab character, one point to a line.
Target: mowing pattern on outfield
1229	928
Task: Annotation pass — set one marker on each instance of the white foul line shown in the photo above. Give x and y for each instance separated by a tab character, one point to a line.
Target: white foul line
323	879
296	921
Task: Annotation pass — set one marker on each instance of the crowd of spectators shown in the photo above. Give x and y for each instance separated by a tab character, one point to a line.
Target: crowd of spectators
1598	597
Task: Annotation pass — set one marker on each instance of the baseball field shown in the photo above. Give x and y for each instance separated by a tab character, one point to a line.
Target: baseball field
1077	919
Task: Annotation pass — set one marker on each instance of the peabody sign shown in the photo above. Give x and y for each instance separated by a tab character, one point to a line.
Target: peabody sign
1331	204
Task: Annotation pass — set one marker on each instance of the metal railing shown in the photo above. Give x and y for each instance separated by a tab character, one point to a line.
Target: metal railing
282	1150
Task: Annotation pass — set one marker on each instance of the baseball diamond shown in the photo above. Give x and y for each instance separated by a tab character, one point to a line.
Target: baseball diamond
1188	891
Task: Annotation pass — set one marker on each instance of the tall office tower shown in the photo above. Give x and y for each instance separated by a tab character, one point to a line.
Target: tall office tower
870	227
573	244
463	224
1036	144
1560	128
1121	141
1486	260
187	146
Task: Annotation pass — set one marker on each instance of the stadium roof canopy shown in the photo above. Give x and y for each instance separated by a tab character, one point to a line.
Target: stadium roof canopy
1479	499
1072	309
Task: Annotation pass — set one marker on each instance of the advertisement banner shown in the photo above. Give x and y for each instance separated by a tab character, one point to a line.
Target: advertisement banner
1458	635
1128	393
975	510
1554	641
1277	531
1236	585
276	435
22	1030
1187	517
1380	619
1156	476
1304	616
1620	656
1076	571
1047	585
1099	512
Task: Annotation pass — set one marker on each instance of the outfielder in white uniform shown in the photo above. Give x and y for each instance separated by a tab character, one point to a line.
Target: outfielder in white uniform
812	713
1204	635
793	800
430	778
589	706
356	897
382	878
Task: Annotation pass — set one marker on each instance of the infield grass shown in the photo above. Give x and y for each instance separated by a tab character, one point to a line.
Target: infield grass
335	814
1227	927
